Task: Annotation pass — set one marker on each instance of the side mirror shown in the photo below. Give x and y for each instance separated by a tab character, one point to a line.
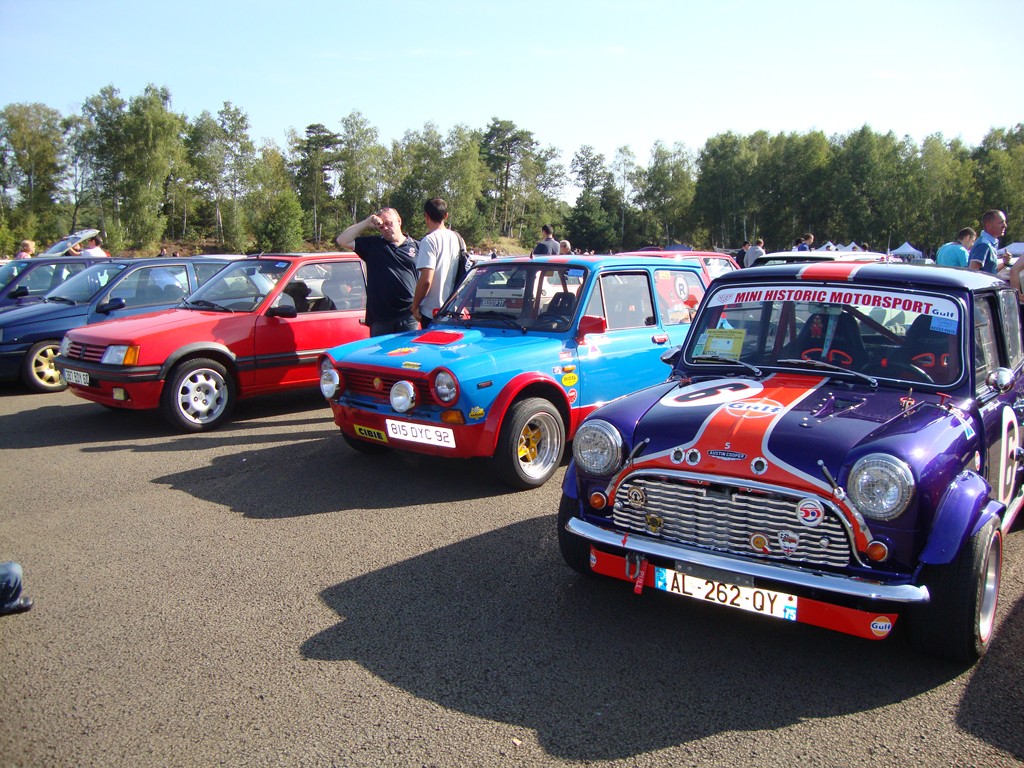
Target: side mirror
1001	380
112	305
590	324
671	356
17	293
288	311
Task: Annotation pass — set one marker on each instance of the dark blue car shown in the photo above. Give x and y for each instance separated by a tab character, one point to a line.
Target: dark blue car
24	281
30	335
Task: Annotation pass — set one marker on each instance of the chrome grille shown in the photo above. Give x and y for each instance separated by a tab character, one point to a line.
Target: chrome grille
361	383
92	353
726	518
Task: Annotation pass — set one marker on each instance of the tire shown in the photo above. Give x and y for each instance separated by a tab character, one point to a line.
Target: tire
365	446
38	372
198	395
530	444
575	551
959	621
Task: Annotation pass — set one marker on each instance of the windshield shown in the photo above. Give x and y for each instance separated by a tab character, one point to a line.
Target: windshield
86	284
240	286
887	334
530	296
11	270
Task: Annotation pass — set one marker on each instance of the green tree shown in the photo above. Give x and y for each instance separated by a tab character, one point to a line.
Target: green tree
665	194
360	159
273	205
316	154
32	139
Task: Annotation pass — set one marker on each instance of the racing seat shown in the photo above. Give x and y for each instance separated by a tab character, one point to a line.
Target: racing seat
846	348
934	352
562	303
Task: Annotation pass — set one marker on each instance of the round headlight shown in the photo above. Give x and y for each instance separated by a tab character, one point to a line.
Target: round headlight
445	387
403	396
881	486
597	448
329	382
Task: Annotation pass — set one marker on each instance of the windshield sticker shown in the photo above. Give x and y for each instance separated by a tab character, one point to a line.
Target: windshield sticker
943	325
724	342
576	273
936	306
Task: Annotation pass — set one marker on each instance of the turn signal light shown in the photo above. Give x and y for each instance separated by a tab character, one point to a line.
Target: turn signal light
453	417
598	500
878	551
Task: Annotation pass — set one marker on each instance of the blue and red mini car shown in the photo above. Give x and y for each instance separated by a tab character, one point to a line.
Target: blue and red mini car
514	360
838	445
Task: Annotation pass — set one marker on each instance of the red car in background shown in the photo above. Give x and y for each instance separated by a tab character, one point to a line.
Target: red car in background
257	327
711	263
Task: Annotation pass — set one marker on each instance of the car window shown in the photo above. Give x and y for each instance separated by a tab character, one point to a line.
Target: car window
986	347
39	280
627	300
205	270
241	285
151	286
342	287
1010	310
87	283
718	266
679	293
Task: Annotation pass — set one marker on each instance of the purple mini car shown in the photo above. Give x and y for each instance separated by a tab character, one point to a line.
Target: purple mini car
838	445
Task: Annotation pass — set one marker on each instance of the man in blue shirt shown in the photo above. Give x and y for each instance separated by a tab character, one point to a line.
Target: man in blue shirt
955	253
805	242
983	255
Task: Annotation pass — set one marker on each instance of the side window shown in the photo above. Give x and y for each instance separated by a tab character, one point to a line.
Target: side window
628	300
340	287
1009	308
40	280
205	271
986	349
679	292
152	286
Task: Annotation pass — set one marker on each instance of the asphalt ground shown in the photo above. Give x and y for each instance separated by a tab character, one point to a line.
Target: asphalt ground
264	596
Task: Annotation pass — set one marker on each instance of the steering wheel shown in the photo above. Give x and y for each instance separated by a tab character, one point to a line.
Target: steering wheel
551	317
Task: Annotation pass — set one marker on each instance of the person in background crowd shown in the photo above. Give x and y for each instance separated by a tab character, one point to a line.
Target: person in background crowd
11	599
74	250
955	253
436	261
390	271
983	255
756	251
564	248
805	242
95	248
163	252
548	246
741	254
28	247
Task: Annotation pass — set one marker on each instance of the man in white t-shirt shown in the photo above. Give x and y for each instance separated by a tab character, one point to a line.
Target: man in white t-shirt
95	247
436	262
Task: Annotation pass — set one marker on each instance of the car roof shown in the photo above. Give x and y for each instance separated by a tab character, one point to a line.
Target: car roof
590	262
850	273
805	256
334	255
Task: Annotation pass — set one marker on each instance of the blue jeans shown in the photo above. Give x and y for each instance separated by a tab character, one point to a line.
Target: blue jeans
10	584
407	323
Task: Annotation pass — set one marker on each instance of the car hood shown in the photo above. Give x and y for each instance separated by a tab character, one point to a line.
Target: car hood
140	326
40	311
777	429
471	349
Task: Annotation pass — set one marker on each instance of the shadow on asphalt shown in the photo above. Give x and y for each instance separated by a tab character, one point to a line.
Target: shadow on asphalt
498	628
992	707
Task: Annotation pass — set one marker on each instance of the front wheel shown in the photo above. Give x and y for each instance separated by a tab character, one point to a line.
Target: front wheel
530	445
198	395
958	622
38	371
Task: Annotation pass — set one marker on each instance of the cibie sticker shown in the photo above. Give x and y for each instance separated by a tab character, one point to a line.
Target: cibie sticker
715	392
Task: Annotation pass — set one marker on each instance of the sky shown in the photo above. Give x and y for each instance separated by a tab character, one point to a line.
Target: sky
603	74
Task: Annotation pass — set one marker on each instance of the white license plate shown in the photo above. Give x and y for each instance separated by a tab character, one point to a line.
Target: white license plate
442	437
751	599
76	377
492	303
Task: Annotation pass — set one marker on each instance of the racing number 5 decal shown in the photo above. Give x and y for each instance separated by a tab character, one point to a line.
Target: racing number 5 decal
1009	440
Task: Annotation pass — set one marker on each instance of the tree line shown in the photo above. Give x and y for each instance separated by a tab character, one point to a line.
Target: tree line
143	174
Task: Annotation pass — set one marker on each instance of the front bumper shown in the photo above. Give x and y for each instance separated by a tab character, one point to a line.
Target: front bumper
826	600
135	387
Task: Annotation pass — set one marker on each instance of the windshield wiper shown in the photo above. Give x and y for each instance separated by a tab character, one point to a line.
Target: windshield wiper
491	315
719	359
204	304
871	380
60	299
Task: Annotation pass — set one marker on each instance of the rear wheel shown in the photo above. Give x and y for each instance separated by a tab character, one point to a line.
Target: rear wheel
38	371
958	622
530	445
198	395
575	551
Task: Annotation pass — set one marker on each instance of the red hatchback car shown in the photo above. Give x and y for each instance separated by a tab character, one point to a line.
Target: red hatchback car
256	327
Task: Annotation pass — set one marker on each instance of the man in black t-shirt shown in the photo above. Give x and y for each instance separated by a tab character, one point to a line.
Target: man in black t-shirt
548	246
390	271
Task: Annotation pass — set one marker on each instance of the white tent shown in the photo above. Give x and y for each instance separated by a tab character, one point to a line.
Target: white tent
826	247
907	250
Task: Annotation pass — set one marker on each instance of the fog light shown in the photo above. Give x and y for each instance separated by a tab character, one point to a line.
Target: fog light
878	551
598	500
120	394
